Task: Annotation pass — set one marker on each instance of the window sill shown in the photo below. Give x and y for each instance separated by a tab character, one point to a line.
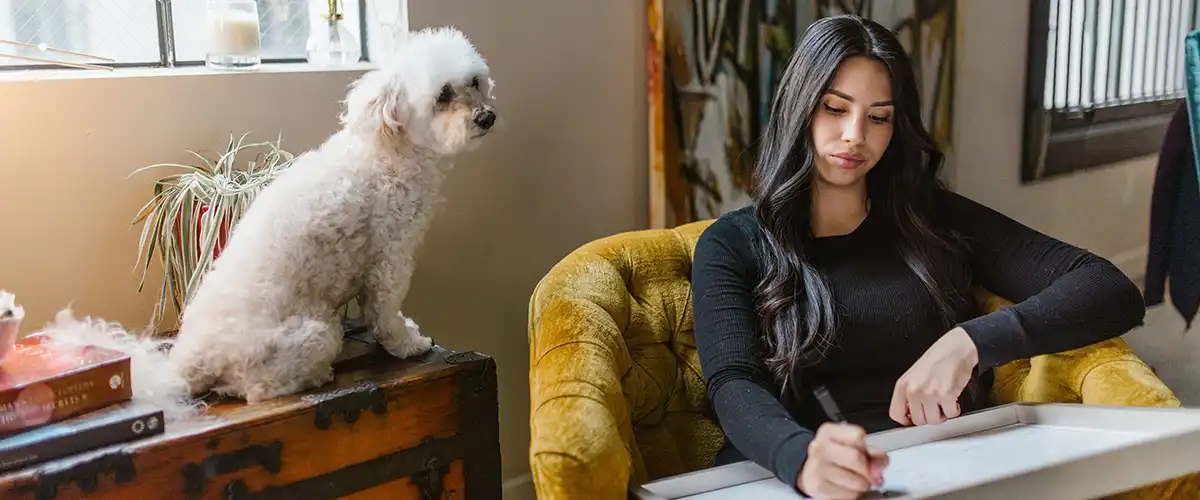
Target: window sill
35	75
1056	145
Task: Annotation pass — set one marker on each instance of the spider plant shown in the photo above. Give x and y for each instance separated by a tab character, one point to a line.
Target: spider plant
193	210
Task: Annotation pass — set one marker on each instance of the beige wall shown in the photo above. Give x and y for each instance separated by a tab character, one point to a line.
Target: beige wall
566	166
68	145
1105	210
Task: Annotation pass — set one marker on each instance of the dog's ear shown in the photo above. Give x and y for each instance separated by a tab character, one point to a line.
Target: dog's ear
374	102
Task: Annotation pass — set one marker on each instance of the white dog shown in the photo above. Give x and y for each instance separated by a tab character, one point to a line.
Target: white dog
344	220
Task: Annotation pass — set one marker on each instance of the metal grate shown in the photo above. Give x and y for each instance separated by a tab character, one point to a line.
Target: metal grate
285	28
129	30
1103	53
124	30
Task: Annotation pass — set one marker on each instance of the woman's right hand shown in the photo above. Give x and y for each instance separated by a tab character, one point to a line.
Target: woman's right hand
839	464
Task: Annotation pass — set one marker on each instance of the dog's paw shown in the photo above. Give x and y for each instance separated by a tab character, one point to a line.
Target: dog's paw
405	340
410	345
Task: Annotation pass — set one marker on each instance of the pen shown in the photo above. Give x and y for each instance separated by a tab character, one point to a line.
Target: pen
835	414
827	403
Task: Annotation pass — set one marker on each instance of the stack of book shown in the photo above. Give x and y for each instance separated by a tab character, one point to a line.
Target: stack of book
57	401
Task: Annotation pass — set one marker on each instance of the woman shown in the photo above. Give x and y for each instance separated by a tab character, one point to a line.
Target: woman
853	270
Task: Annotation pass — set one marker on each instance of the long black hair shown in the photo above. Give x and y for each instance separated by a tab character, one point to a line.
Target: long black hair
795	304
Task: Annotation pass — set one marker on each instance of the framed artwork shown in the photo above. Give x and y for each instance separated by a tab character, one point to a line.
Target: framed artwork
714	67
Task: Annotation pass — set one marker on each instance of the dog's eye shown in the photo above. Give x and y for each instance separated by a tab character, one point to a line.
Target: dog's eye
446	95
475	82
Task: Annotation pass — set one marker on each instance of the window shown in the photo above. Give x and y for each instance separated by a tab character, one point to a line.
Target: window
1104	77
154	32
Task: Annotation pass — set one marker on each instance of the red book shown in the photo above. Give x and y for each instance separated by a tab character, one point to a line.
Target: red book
45	383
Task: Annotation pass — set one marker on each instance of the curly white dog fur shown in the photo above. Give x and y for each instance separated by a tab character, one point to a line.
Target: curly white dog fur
344	220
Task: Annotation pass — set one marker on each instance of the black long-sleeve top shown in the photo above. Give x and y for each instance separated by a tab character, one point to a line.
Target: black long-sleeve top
1065	298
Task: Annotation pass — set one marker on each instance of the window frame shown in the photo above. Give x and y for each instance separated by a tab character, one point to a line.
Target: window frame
1061	142
164	22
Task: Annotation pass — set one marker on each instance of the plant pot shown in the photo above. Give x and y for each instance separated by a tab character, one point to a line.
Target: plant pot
178	222
222	235
190	262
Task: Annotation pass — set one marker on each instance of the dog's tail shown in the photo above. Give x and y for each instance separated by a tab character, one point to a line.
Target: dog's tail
153	378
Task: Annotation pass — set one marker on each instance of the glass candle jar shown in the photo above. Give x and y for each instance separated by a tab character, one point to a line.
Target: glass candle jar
233	35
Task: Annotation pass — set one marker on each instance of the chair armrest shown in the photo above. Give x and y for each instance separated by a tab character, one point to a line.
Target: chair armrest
1009	382
579	423
1105	373
1126	382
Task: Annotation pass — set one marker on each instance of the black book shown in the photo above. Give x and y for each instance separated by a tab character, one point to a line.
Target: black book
117	423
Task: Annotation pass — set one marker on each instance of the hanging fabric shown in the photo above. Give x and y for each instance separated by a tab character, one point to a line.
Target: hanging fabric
1173	259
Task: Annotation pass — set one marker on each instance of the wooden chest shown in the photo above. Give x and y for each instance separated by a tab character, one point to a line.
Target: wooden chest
424	428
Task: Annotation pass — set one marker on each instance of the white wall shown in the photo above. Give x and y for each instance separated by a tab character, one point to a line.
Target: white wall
567	165
1106	210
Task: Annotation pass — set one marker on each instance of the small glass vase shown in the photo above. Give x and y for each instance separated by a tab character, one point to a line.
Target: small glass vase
234	37
331	43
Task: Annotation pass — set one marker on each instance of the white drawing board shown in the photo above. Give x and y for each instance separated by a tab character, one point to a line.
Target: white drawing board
1051	450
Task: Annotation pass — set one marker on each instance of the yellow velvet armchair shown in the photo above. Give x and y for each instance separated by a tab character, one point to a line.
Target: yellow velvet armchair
617	397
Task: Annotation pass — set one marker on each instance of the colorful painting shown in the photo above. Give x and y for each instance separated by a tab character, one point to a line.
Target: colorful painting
715	65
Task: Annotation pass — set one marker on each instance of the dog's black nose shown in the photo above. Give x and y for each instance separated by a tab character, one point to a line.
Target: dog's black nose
485	119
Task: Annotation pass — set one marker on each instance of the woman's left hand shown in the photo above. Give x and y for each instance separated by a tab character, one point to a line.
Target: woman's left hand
928	392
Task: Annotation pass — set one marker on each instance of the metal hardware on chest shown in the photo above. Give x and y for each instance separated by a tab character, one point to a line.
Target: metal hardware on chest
429	480
196	475
85	475
235	490
465	357
349	402
425	465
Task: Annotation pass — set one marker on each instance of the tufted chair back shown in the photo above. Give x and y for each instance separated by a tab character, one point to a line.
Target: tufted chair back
611	328
617	397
